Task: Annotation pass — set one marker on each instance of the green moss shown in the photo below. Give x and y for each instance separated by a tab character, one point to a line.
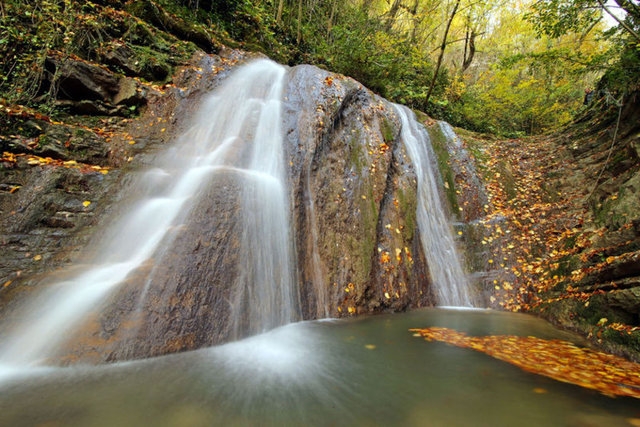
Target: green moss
408	206
356	152
611	213
566	265
388	130
598	308
366	243
439	143
623	338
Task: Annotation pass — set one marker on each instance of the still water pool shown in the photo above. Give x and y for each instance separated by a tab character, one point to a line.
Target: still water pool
359	372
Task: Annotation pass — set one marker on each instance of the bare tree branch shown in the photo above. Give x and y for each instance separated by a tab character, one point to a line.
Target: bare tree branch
443	46
626	27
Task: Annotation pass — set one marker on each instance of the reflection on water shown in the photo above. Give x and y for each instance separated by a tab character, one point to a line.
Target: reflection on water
364	372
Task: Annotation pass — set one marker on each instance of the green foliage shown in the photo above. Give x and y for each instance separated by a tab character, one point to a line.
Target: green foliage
624	75
558	17
520	96
31	31
519	85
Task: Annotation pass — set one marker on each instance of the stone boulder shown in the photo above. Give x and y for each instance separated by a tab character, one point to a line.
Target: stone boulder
353	194
89	89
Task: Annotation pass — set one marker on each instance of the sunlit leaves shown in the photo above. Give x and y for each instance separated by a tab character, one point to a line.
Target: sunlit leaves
557	359
557	17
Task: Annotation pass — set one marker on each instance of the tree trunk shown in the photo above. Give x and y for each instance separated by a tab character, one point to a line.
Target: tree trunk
391	15
630	7
279	12
626	27
332	14
443	47
299	32
469	49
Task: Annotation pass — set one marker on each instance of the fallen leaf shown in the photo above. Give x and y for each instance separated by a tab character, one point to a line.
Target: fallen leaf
609	374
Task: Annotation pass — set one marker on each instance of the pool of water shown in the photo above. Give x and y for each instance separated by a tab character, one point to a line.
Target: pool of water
360	372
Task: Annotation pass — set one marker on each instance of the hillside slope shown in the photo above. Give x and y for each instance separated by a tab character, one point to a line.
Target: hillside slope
562	233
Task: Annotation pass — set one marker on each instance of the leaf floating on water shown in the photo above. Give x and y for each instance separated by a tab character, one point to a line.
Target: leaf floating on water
561	360
370	347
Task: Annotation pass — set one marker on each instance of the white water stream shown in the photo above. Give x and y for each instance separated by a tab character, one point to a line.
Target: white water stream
236	131
365	371
445	267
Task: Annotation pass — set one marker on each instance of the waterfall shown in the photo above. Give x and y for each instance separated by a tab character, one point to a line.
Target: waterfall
449	280
237	131
205	250
265	294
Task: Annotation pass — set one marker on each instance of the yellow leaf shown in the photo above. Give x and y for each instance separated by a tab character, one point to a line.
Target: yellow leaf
86	203
370	347
37	257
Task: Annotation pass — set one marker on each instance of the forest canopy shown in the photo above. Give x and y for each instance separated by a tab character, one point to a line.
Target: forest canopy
499	67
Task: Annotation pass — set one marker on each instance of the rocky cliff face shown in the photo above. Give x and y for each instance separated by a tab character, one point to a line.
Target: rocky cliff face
598	290
353	193
558	234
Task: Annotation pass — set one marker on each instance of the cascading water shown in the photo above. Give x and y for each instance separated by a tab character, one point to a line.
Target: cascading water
233	150
237	131
362	372
265	294
449	280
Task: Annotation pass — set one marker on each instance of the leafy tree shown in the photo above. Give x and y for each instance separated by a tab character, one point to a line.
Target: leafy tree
559	17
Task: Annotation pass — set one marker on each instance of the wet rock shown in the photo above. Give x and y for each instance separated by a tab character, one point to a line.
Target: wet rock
626	300
43	221
353	195
130	93
72	143
355	199
78	80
